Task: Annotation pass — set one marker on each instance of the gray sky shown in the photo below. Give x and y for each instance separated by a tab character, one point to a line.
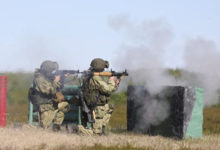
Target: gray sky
74	32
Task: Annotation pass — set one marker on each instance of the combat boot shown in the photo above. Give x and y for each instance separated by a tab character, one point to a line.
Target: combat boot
75	128
56	127
72	128
103	131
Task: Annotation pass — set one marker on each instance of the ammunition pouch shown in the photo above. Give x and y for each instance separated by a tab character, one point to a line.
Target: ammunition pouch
102	110
92	95
94	99
55	105
102	100
38	98
90	98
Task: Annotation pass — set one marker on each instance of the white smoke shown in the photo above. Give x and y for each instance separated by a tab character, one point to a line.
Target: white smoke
155	34
203	58
151	116
143	57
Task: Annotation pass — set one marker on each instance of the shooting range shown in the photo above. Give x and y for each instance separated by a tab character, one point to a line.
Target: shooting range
176	111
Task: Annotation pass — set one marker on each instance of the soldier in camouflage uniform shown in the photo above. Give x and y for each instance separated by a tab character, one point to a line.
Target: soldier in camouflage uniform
46	96
97	91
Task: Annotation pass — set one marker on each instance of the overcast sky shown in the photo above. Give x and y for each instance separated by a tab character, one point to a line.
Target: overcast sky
73	32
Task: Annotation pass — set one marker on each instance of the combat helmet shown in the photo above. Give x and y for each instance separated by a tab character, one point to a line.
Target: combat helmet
47	67
98	64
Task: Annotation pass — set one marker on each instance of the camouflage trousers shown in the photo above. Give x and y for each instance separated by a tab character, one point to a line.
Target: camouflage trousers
102	117
49	113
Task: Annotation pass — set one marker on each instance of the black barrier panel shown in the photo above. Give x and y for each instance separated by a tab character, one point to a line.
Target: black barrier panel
178	102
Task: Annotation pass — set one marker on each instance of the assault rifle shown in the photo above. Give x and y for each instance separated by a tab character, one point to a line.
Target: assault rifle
89	112
109	74
63	73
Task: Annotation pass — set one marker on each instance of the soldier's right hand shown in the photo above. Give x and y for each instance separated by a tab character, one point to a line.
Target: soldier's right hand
117	81
57	78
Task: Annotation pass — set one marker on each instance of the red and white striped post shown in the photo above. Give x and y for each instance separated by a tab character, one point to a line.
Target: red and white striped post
3	100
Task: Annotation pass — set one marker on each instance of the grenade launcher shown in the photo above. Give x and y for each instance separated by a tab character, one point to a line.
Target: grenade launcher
109	74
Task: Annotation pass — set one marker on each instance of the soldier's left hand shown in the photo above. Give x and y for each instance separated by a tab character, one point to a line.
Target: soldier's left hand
112	78
59	97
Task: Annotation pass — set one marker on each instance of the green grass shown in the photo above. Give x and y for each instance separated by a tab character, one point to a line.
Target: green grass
211	120
118	121
118	98
17	113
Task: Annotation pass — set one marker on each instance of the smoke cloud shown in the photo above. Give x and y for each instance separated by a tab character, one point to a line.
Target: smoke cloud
143	55
202	57
153	112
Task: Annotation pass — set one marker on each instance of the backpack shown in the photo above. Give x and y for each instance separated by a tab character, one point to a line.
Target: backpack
91	93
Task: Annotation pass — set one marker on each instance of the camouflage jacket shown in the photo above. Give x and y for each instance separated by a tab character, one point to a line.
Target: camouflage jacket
98	89
104	85
44	87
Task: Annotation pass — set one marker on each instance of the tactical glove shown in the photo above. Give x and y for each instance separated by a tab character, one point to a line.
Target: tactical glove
59	97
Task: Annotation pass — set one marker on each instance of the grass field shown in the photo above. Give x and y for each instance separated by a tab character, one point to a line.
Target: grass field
29	138
118	122
211	124
16	137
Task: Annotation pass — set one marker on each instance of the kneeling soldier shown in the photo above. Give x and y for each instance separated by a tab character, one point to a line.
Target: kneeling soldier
46	95
97	91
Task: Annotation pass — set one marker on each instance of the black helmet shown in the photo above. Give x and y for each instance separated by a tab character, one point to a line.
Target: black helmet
98	64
